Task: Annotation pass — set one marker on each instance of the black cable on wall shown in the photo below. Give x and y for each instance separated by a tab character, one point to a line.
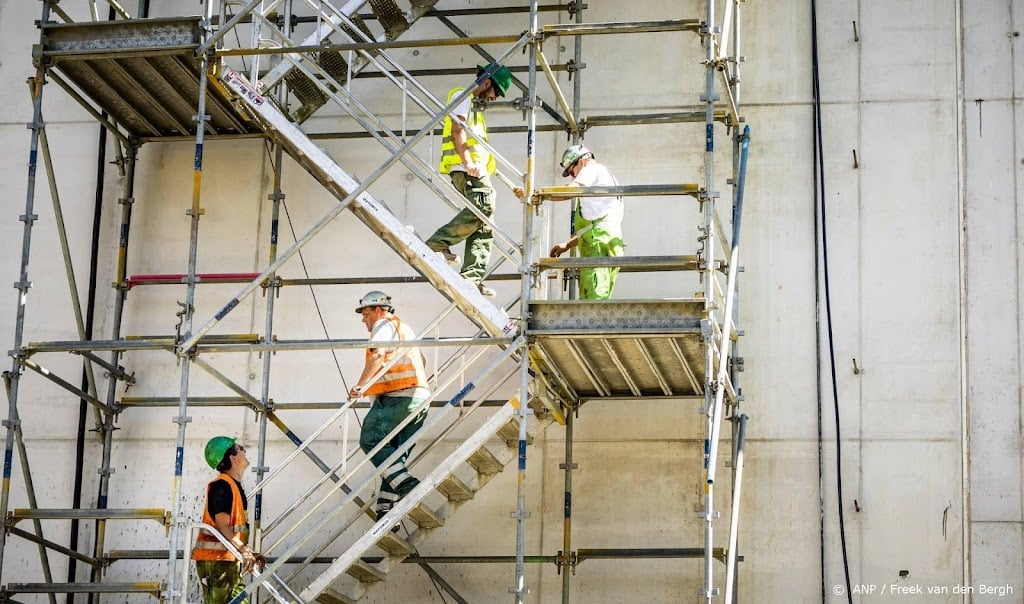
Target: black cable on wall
821	278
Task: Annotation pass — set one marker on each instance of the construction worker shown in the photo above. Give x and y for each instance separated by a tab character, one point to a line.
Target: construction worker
397	393
220	572
598	221
470	168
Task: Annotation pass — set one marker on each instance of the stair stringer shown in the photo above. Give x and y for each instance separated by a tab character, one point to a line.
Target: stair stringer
493	319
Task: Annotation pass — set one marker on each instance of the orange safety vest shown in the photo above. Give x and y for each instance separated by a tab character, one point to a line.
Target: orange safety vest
407	372
208	547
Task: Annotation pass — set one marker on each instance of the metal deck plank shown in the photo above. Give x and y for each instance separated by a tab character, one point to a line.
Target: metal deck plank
143	97
622	369
658	375
104	94
587	370
698	388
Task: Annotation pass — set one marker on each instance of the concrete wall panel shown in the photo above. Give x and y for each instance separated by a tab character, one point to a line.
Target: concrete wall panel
996	562
912	44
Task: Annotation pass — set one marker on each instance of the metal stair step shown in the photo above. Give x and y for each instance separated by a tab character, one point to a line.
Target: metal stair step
391	17
330	596
510	434
395	545
365	573
454	489
485	462
425	517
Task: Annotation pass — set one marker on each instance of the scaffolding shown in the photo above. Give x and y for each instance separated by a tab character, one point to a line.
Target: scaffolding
524	364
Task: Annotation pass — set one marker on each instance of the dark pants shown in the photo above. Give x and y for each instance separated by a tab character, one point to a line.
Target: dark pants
466	226
384	416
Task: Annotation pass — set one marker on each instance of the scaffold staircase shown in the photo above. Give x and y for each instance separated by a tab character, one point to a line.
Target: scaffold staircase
452	482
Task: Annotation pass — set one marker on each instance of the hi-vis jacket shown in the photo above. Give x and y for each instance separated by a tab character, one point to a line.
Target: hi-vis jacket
477	126
407	372
208	547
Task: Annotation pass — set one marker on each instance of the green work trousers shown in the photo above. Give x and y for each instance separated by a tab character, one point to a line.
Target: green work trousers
221	581
384	416
466	226
597	283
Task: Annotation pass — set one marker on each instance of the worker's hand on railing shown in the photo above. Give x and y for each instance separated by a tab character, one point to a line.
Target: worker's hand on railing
355	393
261	561
558	249
248	560
519	192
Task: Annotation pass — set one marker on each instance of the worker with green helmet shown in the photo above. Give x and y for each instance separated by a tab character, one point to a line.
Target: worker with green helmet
597	221
226	509
470	167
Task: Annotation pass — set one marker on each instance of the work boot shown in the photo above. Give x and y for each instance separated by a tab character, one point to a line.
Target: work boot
483	289
449	256
407	486
383	509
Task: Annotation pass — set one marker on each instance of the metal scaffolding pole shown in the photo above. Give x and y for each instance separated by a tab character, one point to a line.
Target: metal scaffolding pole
566	557
519	588
708	591
22	285
276	198
188	312
107	427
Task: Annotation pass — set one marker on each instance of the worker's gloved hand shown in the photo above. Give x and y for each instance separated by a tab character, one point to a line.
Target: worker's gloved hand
261	561
248	560
558	249
519	192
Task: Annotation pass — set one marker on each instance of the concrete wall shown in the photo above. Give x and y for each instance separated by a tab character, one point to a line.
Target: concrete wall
924	291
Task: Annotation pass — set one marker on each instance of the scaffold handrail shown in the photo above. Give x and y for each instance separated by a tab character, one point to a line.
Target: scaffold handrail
629	27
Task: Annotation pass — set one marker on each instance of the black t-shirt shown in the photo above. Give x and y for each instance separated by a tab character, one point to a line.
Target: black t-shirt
219	499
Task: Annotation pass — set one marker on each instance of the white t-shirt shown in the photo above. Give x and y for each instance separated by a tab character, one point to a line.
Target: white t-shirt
384	331
594	174
464	109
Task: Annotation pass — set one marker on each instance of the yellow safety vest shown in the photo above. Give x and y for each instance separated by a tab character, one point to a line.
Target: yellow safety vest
405	373
208	547
477	126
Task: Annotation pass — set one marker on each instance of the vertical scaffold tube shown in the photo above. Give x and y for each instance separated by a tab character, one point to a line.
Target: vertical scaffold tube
734	520
519	588
23	285
709	292
577	93
567	558
121	269
276	197
182	419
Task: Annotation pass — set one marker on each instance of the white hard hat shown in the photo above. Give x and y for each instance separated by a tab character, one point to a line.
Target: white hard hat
572	155
374	298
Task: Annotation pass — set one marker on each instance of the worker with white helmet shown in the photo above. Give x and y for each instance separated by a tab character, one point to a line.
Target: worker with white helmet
397	393
598	221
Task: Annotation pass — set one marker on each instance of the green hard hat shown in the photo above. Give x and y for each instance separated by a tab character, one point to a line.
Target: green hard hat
216	448
501	77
